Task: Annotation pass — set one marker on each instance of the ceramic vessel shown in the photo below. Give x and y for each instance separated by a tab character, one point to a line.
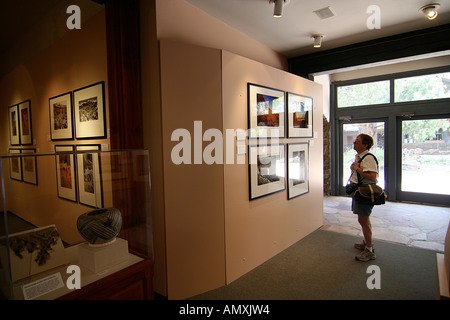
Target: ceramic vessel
100	226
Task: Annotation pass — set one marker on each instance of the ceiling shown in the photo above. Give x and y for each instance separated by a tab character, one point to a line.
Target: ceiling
29	26
291	34
18	17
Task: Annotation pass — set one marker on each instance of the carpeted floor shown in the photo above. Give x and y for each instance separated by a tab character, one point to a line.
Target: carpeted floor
322	266
15	224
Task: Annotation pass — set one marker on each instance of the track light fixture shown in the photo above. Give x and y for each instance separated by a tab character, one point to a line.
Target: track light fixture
430	10
317	40
278	7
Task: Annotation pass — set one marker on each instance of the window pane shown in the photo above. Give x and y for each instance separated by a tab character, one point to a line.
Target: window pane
426	156
350	132
432	86
363	94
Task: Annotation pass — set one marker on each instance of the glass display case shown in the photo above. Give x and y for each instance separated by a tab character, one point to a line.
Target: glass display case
75	224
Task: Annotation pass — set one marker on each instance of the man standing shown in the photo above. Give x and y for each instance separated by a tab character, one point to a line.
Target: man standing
364	172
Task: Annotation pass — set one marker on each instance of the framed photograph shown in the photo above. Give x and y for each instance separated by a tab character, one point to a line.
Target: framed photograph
15	165
26	132
300	116
65	172
61	123
298	169
89	175
89	111
267	170
14	135
266	112
29	167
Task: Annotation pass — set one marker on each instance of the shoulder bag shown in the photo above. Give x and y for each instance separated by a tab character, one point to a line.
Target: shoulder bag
368	193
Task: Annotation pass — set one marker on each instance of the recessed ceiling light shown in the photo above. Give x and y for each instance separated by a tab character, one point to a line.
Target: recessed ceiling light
430	10
324	13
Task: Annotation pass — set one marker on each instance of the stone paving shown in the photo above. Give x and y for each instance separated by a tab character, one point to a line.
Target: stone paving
410	224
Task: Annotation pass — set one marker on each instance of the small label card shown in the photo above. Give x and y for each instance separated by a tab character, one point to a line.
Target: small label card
42	286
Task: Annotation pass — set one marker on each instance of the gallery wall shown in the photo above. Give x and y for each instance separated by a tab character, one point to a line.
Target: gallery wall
73	62
269	224
214	233
178	20
193	193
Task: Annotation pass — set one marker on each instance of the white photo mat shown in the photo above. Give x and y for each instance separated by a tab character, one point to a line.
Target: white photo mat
267	170
300	116
298	169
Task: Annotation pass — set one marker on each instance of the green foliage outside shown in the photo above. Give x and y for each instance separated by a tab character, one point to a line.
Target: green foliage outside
363	94
427	87
420	131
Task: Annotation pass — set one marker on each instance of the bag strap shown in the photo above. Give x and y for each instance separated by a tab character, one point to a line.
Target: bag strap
367	154
360	160
372	198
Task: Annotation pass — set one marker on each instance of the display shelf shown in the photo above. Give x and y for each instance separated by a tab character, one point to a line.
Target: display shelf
88	211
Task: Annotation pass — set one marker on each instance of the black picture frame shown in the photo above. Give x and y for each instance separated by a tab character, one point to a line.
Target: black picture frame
267	170
266	112
15	165
90	112
14	125
29	166
25	119
89	174
298	169
66	180
61	117
300	116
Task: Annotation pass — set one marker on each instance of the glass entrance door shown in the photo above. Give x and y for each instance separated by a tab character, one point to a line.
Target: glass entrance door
408	116
425	160
349	133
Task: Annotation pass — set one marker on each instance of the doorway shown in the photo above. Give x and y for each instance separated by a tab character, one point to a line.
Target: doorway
349	132
424	165
408	117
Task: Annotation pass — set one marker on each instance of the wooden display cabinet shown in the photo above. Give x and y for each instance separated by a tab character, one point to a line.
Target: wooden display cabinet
132	283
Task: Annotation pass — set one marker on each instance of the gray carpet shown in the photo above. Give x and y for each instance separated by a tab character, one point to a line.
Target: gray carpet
322	266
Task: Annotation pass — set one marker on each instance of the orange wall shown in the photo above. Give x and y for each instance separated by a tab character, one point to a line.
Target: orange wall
74	61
